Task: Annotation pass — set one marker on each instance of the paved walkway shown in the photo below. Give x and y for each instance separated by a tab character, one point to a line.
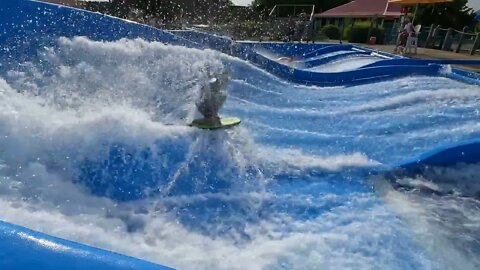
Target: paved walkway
432	54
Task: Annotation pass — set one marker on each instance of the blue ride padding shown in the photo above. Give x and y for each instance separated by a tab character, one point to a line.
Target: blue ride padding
346	78
393	67
325	60
362	76
409	61
467	152
24	249
464	76
300	51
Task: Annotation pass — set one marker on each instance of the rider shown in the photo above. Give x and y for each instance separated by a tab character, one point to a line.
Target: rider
212	96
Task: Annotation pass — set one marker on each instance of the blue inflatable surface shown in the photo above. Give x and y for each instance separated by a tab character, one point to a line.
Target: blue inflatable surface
312	55
22	249
467	152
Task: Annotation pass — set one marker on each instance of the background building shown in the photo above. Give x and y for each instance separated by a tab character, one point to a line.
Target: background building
382	10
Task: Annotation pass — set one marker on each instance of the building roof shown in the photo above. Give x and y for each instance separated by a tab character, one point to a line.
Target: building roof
363	9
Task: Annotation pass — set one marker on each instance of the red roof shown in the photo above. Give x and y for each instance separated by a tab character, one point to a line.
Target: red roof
363	8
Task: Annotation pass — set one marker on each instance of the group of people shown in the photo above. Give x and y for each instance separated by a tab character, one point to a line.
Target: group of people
407	31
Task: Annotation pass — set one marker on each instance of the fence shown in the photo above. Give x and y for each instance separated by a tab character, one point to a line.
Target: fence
292	10
449	39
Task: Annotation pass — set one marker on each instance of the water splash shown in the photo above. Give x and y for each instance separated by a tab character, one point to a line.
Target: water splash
442	207
95	149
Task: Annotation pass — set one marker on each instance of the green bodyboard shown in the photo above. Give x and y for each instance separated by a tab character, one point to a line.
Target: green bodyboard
227	122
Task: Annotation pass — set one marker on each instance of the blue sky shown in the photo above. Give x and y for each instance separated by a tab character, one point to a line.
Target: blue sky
475	4
246	2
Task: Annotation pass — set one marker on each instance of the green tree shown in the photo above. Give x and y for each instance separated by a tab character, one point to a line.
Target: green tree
170	10
455	14
115	8
320	5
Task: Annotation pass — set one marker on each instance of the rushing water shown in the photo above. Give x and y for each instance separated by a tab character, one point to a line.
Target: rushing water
95	149
346	64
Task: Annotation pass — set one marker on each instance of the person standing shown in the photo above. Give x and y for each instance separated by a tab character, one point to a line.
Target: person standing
407	31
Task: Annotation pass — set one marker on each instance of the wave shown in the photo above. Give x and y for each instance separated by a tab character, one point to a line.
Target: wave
442	208
427	97
159	79
94	149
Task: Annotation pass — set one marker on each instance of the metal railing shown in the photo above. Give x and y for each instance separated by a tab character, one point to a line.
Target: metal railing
276	9
449	39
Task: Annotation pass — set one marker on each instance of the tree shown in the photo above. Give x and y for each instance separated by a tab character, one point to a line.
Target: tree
265	6
455	14
171	10
115	8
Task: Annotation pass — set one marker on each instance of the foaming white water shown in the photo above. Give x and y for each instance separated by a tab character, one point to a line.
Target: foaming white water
32	130
86	96
160	79
429	132
35	196
277	57
280	160
287	159
404	96
446	69
258	88
430	97
346	64
329	242
443	211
